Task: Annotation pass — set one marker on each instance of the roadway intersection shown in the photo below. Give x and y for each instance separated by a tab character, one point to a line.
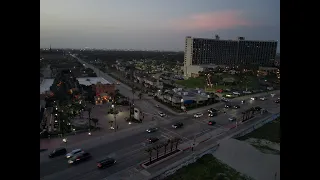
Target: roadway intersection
129	151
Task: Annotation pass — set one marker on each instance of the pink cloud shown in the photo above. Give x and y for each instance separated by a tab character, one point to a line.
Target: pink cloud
211	21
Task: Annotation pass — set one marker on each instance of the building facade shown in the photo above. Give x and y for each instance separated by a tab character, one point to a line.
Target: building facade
200	51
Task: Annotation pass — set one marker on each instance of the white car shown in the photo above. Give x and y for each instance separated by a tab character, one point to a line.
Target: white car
253	98
198	115
162	114
272	94
263	98
232	119
73	152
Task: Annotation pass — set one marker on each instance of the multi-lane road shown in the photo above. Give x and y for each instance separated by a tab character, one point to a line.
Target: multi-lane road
129	150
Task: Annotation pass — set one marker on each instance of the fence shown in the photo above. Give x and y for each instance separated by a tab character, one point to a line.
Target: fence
169	170
257	125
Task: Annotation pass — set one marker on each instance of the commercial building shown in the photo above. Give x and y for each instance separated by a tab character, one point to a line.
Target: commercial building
200	51
99	84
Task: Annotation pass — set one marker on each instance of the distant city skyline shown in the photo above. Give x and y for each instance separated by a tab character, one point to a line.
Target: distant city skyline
154	25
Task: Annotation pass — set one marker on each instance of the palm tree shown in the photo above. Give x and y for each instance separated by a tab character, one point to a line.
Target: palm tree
149	151
157	148
171	141
171	96
177	141
165	145
133	92
95	121
89	114
243	116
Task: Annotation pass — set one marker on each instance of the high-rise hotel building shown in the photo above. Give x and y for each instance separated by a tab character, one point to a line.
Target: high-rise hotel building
199	52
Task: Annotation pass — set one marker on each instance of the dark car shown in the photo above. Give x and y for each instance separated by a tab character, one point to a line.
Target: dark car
107	162
80	157
236	106
213	114
58	152
212	123
177	125
150	130
277	101
227	106
153	140
212	110
257	108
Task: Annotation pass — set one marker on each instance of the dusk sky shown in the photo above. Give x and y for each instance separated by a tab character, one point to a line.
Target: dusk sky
154	24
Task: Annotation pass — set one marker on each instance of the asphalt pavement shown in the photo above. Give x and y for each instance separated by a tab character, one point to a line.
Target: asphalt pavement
129	150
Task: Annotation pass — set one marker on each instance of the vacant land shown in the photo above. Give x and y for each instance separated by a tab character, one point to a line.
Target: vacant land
207	167
198	82
266	138
270	132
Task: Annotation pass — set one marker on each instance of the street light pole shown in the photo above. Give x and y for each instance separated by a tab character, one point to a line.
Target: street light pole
115	117
115	122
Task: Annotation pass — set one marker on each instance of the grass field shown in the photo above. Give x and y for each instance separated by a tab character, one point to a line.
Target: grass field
270	132
199	82
207	167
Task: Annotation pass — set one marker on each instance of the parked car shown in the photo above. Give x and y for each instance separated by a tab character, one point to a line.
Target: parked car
83	156
177	125
219	91
107	162
277	101
212	123
73	152
232	119
58	152
150	130
247	92
152	140
197	115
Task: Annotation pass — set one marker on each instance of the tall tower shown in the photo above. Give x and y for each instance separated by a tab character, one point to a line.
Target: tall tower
50	48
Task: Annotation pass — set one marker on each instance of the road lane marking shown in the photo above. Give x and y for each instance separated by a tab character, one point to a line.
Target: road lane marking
165	136
176	134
